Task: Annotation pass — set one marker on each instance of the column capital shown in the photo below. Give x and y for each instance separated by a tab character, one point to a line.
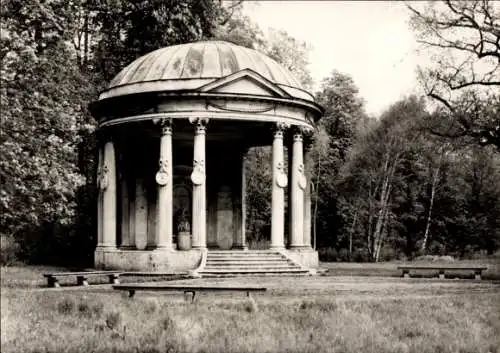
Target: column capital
200	124
306	130
297	136
282	126
165	124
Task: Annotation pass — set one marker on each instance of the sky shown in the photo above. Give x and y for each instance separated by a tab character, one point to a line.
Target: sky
369	40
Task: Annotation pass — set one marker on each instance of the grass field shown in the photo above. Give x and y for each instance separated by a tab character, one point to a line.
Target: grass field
297	314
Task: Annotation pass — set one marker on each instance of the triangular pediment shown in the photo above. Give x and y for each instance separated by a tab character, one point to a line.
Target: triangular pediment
245	82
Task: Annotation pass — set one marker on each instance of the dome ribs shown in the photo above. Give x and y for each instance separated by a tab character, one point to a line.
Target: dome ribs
147	66
211	64
168	62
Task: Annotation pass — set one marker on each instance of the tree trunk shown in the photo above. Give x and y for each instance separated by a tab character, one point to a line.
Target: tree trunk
315	212
352	232
435	179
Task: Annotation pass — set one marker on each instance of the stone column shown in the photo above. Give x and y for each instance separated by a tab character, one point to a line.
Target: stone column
164	179
298	185
108	187
241	211
141	215
125	222
307	197
280	182
131	212
99	197
198	177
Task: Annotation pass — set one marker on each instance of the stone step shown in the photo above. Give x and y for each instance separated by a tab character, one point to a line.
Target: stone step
243	255
249	263
255	259
231	266
251	271
258	263
252	274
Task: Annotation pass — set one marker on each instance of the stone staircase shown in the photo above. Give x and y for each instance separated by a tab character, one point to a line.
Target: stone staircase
250	262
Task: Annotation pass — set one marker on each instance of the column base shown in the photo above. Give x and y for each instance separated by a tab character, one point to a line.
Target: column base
164	247
240	247
105	247
199	247
277	247
127	247
300	247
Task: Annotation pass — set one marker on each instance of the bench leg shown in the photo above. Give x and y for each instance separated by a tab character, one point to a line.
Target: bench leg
81	281
193	294
406	274
114	279
52	282
131	293
441	275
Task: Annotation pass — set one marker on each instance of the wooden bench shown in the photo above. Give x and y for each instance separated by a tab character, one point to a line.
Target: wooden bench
187	289
442	270
81	277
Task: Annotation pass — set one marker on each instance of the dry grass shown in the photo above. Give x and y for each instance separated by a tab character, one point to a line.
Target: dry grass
389	269
297	314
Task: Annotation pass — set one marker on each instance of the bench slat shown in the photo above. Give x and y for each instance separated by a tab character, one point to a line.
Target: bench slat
441	268
188	288
89	273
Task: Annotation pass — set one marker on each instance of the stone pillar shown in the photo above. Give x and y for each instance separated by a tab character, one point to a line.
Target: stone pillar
99	197
131	212
241	211
141	215
108	187
125	221
198	177
164	179
280	181
298	185
307	197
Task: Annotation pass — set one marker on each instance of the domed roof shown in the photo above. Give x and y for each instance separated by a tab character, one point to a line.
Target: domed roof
192	65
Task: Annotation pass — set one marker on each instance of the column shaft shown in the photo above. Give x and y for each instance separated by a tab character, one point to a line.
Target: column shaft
99	197
131	212
109	196
307	199
278	192
243	200
297	193
199	187
165	190
125	222
240	208
141	215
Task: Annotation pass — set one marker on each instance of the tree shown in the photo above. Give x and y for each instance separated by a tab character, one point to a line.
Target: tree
375	181
240	30
129	29
464	36
292	53
336	130
43	96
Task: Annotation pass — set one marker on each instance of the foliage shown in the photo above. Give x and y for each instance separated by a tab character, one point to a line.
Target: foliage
129	29
463	36
343	110
292	53
43	101
403	192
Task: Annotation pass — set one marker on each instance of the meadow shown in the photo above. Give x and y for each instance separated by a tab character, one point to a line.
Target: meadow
296	314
